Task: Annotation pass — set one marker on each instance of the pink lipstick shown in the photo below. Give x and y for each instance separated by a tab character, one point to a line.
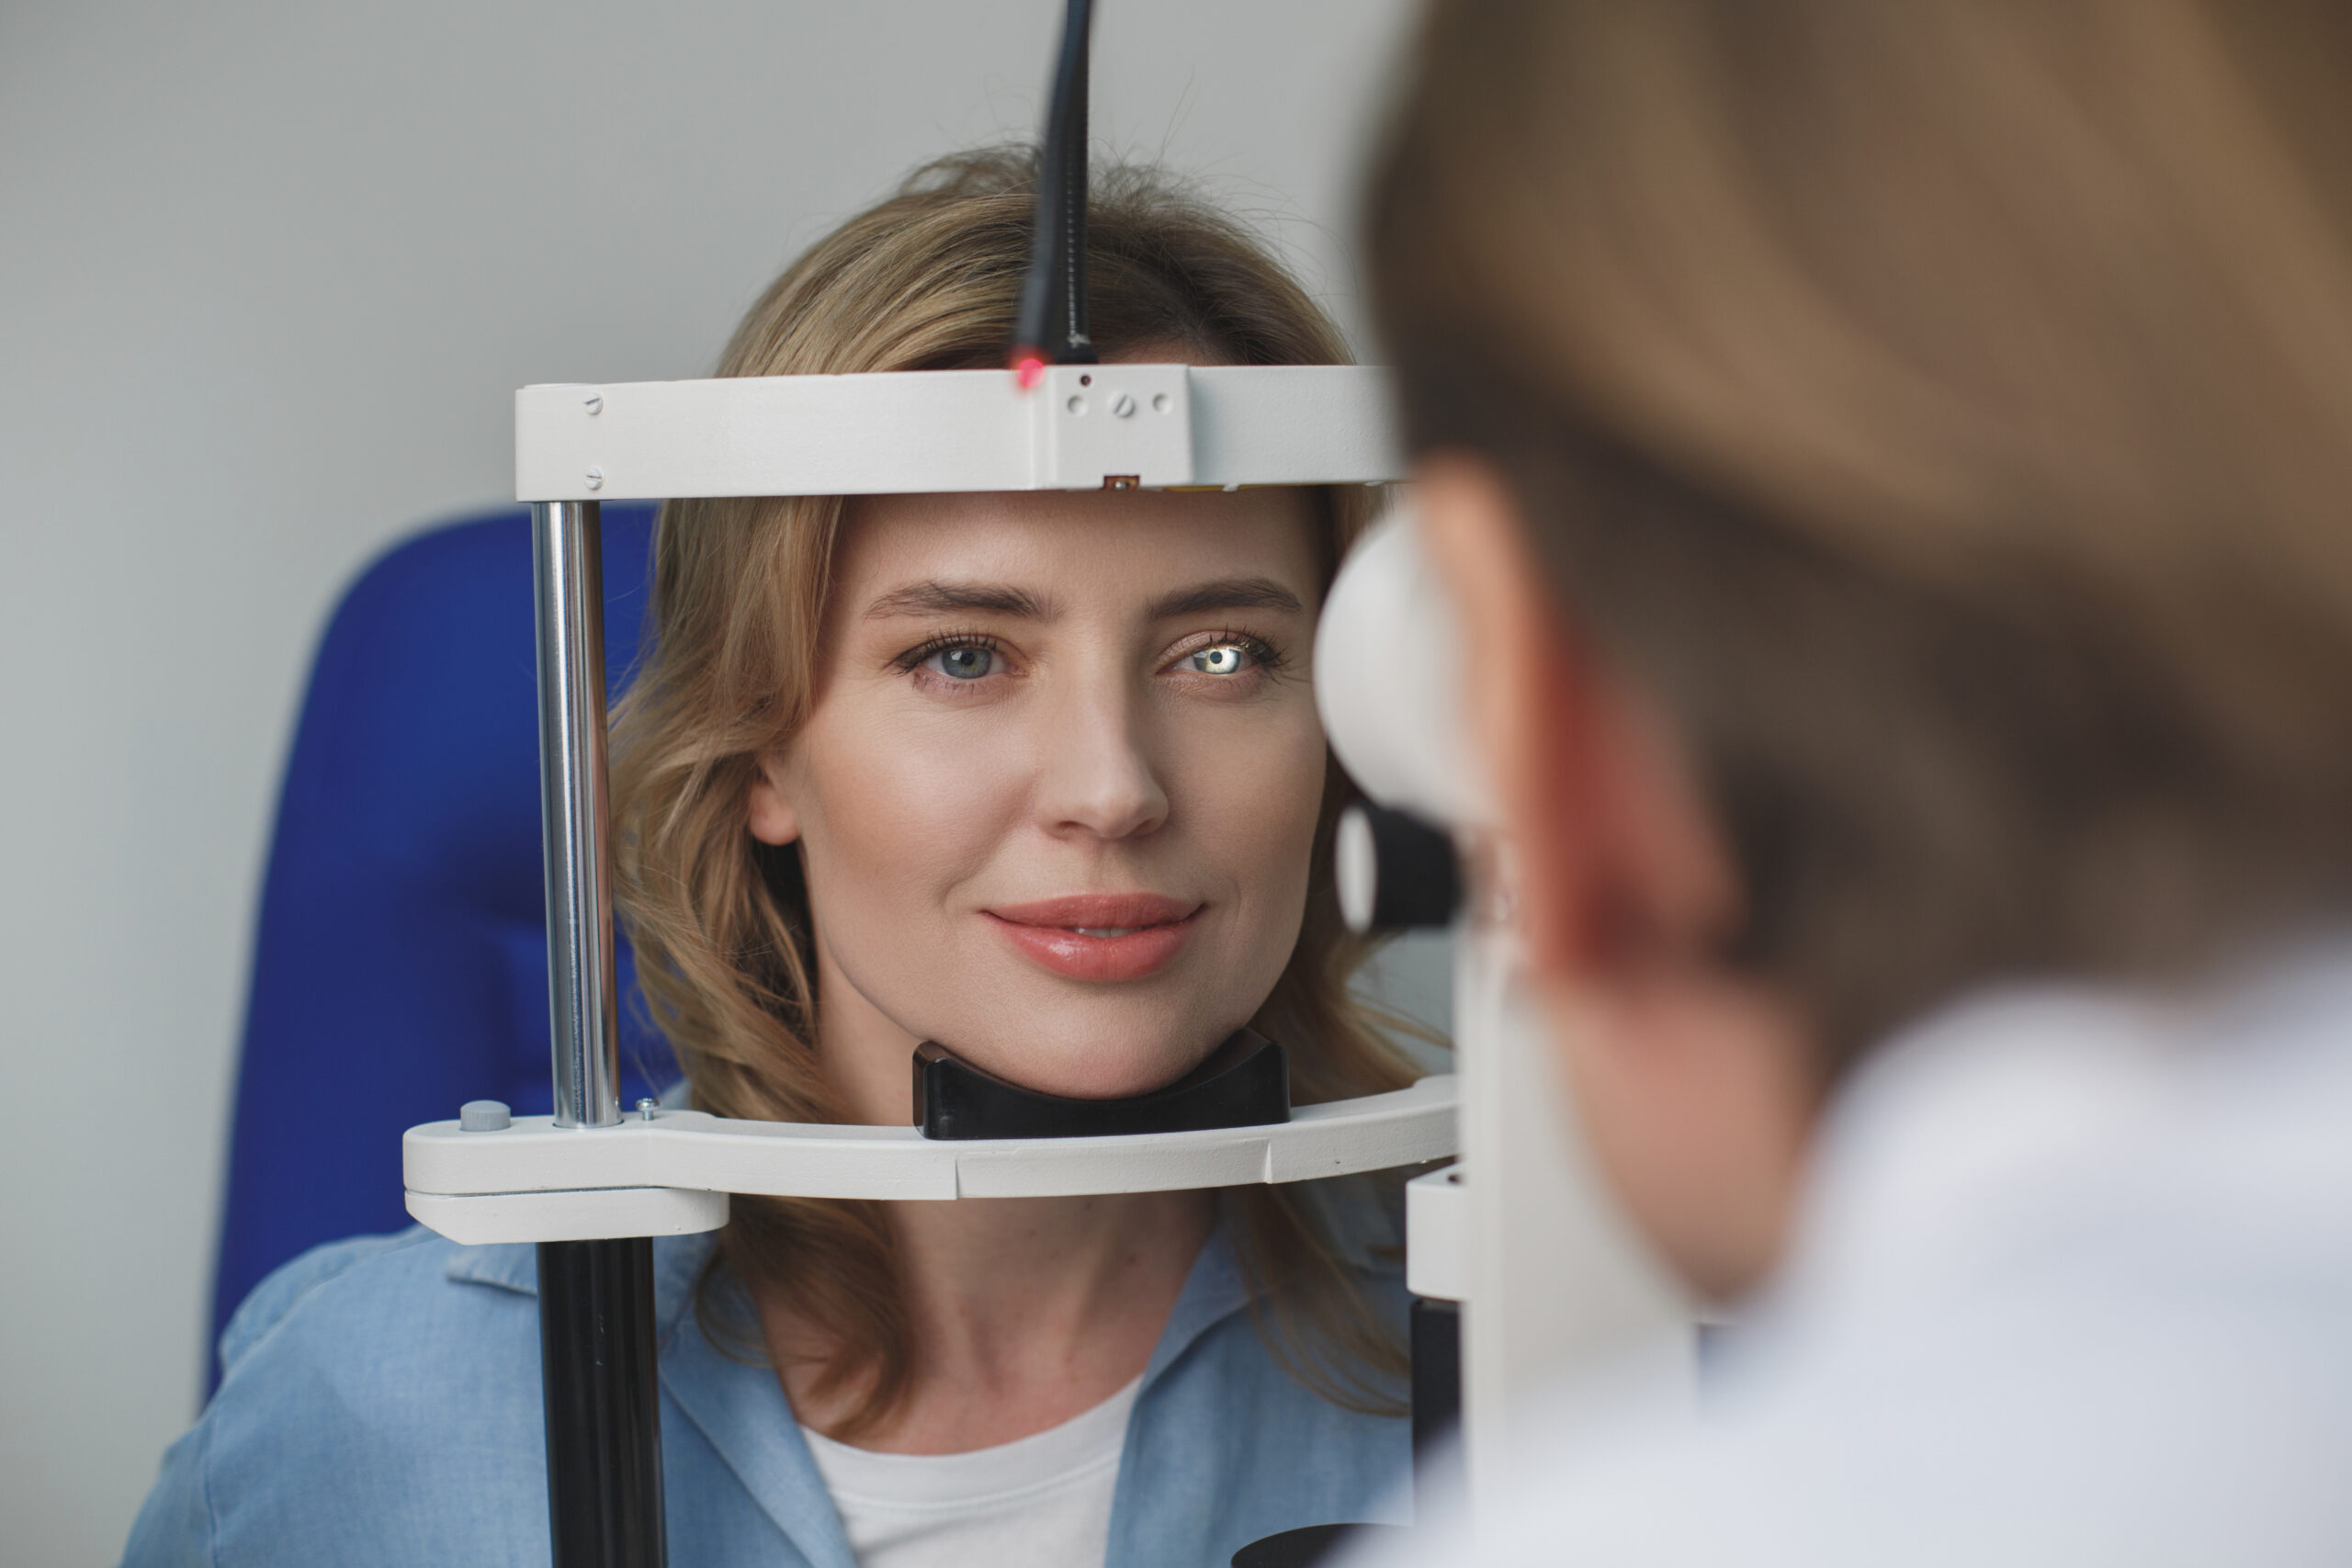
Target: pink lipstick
1099	936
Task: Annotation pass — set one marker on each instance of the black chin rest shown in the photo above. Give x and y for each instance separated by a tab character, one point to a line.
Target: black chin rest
1244	1083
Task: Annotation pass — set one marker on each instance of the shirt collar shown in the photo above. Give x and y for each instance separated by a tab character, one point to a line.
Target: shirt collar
1213	1290
739	1409
738	1405
514	1265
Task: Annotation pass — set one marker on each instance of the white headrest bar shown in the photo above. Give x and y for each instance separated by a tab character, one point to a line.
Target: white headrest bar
1082	427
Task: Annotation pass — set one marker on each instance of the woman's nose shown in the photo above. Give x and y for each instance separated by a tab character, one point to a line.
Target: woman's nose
1097	776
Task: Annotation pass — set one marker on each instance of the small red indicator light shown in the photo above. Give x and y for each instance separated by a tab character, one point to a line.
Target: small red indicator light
1029	370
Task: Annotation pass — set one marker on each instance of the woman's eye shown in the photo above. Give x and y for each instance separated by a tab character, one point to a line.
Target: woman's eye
1226	658
963	663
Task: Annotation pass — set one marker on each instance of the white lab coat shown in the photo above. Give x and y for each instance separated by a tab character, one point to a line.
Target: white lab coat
2072	1286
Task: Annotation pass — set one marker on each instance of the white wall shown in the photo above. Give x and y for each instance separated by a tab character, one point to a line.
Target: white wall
268	277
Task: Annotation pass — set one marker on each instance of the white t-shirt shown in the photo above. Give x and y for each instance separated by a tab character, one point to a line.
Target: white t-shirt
1041	1502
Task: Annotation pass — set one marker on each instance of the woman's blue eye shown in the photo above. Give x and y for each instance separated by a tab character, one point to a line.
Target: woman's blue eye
1226	658
963	663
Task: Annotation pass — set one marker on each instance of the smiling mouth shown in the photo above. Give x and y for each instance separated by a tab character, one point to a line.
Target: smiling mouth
1099	936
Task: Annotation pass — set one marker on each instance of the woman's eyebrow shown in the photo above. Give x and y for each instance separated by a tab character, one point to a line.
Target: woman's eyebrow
947	598
1226	594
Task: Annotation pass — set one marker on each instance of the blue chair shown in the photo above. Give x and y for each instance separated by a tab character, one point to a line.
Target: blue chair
400	964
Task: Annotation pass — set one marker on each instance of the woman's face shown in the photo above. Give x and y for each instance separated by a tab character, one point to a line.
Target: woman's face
1057	793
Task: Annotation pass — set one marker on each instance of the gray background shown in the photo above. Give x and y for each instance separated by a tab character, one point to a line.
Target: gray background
268	274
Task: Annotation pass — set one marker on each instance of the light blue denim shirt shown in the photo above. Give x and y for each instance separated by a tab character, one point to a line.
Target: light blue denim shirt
380	1407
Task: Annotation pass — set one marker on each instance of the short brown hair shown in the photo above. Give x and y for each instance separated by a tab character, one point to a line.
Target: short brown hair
1944	410
927	281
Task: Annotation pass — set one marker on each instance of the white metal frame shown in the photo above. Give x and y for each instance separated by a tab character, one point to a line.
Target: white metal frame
1082	427
515	1183
587	1174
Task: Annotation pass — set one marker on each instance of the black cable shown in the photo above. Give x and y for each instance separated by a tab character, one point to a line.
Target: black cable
1050	326
1076	347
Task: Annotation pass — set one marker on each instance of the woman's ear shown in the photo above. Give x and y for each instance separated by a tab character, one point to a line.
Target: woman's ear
771	817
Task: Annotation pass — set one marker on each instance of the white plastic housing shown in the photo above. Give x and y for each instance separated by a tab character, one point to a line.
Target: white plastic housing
1388	680
600	1214
1355	870
1437	1236
1557	1282
932	431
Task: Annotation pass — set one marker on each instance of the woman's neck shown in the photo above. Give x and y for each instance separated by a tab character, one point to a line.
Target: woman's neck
1019	1312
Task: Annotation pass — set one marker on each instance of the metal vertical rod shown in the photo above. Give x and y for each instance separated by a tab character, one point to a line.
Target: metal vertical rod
575	828
1437	1400
597	1323
603	1404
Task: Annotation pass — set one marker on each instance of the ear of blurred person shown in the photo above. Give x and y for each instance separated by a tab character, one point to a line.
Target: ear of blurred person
1695	1079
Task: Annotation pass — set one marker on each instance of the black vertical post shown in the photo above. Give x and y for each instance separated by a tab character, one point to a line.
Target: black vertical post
596	1338
1436	1398
603	1402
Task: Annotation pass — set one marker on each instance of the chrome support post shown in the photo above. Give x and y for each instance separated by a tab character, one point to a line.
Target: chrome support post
596	1329
574	821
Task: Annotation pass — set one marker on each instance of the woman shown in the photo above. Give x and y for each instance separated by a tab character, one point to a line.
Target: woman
1038	777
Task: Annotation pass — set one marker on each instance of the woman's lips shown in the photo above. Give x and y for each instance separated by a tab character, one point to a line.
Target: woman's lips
1099	936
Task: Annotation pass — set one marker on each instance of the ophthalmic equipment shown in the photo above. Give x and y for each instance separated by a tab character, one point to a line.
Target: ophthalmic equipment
590	1185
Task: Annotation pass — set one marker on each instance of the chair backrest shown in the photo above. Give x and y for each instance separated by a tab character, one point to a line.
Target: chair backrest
400	964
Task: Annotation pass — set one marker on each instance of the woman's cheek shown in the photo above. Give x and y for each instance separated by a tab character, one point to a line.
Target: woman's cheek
1258	819
911	809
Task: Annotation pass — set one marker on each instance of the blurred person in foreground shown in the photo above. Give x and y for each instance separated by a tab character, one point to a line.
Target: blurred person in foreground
1894	463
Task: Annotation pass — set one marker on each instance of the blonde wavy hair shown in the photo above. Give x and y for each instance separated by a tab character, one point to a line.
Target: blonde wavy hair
927	281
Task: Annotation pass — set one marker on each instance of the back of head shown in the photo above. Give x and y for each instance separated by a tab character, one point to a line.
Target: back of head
1945	410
